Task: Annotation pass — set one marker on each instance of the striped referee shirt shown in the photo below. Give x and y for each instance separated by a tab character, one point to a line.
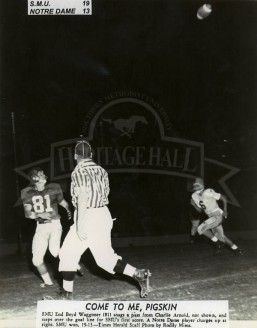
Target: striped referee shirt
95	179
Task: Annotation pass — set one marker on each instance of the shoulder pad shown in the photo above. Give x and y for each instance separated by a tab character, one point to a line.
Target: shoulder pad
24	191
26	194
209	192
27	188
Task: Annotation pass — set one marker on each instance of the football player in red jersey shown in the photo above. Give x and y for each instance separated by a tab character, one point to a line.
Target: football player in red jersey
40	201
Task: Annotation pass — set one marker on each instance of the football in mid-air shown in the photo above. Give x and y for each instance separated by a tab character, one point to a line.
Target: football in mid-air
204	11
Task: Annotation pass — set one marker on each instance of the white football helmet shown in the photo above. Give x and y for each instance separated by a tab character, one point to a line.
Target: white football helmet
198	184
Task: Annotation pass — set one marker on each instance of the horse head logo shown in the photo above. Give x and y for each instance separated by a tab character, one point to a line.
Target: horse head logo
127	126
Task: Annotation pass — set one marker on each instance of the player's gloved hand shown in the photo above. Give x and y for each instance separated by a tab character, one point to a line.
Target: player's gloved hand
45	215
69	214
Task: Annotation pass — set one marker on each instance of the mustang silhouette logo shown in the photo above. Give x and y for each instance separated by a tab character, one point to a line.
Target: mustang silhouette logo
127	126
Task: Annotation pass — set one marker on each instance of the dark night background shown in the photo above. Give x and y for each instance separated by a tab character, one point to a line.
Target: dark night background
203	73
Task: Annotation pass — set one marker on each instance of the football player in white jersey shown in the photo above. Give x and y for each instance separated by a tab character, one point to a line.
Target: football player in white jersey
206	200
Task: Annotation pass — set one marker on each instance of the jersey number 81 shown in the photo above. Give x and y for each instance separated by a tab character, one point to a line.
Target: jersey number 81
41	204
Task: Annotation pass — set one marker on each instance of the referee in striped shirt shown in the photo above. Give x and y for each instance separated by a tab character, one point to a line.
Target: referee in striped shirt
92	225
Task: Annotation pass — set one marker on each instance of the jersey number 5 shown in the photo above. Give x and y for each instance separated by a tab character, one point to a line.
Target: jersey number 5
40	206
202	205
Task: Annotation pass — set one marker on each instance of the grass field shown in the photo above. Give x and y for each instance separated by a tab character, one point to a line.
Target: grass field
179	272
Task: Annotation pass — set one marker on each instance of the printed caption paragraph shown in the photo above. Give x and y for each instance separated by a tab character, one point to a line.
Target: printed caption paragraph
184	314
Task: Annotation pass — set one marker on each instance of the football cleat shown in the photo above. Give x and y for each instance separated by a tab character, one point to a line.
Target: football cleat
142	277
192	239
63	295
218	245
238	251
44	285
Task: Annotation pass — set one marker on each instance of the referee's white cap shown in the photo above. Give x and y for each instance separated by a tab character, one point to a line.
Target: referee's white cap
83	149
